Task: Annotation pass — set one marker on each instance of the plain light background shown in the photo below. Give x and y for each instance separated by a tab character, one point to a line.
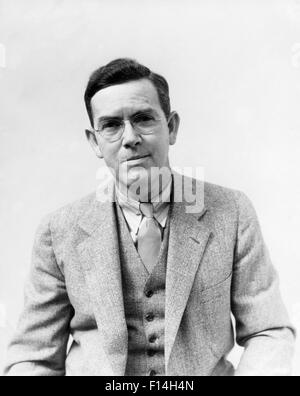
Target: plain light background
234	73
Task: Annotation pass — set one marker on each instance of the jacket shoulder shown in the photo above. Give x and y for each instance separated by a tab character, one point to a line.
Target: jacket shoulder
67	216
216	197
227	199
217	194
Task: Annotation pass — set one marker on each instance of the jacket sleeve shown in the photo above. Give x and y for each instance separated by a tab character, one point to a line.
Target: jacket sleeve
262	323
40	343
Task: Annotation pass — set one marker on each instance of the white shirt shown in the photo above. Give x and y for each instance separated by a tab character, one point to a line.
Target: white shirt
133	216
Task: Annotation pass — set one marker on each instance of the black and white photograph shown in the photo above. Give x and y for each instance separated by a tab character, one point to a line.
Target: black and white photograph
150	190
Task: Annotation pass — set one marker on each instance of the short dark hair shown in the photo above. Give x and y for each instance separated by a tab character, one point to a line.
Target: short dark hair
121	71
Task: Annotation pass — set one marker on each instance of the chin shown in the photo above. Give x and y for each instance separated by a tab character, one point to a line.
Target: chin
137	173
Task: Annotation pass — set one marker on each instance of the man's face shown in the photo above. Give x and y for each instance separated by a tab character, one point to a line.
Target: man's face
124	101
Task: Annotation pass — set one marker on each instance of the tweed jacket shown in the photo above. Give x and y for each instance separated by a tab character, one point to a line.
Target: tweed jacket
218	269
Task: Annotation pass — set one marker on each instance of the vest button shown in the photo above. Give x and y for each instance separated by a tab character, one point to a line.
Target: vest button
150	317
152	339
151	352
149	293
152	373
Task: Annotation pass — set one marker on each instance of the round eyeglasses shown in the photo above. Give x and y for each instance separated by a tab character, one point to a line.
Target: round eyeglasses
112	128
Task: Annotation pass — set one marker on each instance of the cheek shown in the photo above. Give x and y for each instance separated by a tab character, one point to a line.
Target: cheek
160	147
111	156
160	141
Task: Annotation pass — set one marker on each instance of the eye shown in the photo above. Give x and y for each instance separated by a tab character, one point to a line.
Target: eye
111	124
143	118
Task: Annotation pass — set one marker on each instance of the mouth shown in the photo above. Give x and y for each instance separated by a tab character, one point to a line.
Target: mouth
138	157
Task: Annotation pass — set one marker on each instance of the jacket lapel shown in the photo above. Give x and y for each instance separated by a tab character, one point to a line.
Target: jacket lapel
99	257
189	236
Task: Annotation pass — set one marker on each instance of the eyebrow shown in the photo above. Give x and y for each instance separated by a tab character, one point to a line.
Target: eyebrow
147	110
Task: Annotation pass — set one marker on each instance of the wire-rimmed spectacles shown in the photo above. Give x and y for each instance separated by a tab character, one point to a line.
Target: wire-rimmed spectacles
112	128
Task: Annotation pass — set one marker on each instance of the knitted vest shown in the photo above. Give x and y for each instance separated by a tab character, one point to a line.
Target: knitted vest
144	303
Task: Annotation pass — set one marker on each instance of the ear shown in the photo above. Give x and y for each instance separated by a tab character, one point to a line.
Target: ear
91	137
173	123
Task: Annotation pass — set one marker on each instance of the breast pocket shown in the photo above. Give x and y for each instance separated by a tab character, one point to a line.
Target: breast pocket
214	308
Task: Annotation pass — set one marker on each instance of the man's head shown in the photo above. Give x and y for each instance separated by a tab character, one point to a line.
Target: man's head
129	110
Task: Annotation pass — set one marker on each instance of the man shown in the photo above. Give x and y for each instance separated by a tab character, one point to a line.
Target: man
143	283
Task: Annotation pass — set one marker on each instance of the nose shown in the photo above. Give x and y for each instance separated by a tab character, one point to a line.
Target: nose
130	137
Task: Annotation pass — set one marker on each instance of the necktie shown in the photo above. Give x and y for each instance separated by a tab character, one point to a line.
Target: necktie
149	237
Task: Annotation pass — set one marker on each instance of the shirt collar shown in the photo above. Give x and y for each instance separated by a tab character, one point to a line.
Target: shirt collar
160	202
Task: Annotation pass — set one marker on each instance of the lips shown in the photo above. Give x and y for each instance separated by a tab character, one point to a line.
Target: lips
138	157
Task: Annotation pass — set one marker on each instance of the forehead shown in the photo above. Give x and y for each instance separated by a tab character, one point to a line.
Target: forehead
125	98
